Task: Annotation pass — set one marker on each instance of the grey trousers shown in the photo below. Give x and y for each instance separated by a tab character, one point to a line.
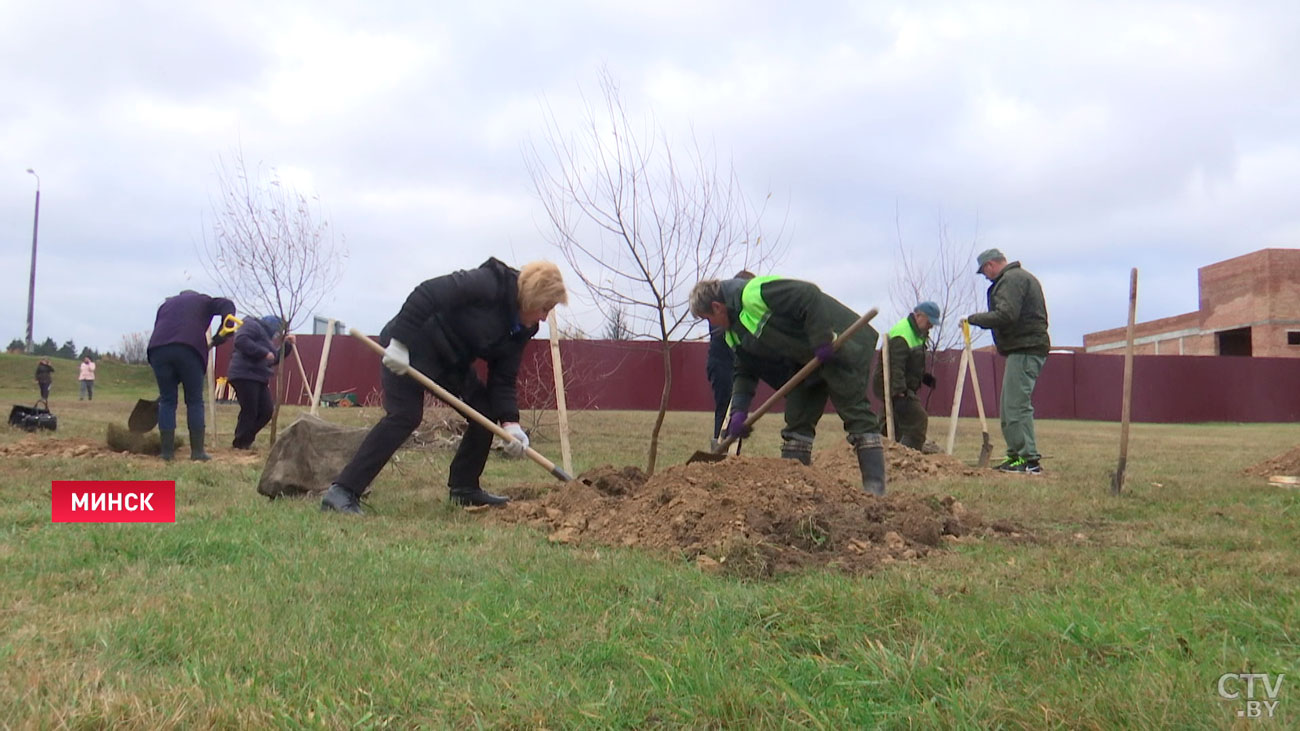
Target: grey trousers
1017	405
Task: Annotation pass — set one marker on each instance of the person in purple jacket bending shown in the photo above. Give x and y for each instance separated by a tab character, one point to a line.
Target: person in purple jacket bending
178	354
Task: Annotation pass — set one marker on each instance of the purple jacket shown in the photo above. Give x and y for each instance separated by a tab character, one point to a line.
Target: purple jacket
253	341
185	318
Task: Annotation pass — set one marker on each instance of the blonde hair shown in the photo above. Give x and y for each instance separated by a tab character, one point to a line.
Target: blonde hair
541	287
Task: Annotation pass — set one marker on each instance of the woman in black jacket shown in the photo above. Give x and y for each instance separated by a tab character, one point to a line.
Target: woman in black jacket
257	352
489	313
44	371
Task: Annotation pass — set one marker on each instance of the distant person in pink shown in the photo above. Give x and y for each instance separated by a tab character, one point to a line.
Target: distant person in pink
87	379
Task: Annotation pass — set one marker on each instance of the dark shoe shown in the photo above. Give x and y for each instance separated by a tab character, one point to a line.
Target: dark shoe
1029	467
472	496
871	461
167	442
196	446
1010	464
340	499
797	449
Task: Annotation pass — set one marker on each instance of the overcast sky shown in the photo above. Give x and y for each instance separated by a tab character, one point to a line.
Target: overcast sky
1084	138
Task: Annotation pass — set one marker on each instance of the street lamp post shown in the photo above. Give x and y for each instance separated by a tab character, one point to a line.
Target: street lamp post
31	282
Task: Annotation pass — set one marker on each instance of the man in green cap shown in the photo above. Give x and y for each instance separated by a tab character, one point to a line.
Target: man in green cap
1018	318
773	318
907	344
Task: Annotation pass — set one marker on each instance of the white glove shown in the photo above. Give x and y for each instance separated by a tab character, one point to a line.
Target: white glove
515	447
397	358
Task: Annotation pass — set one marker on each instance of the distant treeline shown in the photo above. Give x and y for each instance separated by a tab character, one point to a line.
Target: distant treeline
67	350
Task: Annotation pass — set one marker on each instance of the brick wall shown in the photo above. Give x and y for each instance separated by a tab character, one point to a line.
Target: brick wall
1260	290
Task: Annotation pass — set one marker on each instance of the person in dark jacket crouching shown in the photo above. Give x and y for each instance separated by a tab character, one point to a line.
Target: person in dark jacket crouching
178	354
257	353
786	320
489	313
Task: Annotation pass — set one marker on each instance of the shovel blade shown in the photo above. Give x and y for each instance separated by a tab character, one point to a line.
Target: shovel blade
986	450
143	417
706	457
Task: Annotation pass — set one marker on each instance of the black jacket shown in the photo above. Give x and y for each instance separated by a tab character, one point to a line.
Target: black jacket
448	322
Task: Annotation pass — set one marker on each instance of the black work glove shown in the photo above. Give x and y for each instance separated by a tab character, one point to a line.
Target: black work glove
927	379
219	339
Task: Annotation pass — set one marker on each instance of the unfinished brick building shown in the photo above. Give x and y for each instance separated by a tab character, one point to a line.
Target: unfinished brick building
1249	305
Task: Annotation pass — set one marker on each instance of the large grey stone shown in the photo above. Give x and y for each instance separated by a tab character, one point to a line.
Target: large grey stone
307	456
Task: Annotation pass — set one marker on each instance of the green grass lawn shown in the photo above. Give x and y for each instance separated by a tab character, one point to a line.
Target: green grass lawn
1117	612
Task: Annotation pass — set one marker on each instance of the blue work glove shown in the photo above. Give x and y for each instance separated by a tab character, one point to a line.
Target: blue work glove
824	352
736	427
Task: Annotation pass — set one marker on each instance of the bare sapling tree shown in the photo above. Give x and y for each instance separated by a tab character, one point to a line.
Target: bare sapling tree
943	274
135	346
269	247
537	395
640	219
616	324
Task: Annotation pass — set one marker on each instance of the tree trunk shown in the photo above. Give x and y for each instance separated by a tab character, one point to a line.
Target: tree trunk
665	348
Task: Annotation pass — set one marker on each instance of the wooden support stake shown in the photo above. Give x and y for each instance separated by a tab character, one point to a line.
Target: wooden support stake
566	456
302	373
888	398
209	393
1117	482
320	372
956	398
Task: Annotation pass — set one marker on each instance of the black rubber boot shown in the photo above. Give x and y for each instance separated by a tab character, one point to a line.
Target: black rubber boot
871	461
339	499
472	496
196	446
797	449
168	441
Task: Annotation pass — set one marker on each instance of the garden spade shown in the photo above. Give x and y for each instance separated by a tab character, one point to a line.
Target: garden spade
143	417
719	453
986	448
468	411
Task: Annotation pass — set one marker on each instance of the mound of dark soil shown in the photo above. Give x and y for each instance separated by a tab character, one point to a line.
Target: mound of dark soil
1287	463
750	516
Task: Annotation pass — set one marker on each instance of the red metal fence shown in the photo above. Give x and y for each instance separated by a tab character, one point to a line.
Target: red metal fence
601	374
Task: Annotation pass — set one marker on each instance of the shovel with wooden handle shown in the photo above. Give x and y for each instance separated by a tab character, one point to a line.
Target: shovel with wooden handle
986	448
469	411
719	452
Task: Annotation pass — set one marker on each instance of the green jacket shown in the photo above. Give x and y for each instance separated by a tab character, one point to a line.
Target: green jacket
777	319
906	359
1017	313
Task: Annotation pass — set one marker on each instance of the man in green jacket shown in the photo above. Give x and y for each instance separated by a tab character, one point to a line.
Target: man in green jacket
906	343
1018	318
773	318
